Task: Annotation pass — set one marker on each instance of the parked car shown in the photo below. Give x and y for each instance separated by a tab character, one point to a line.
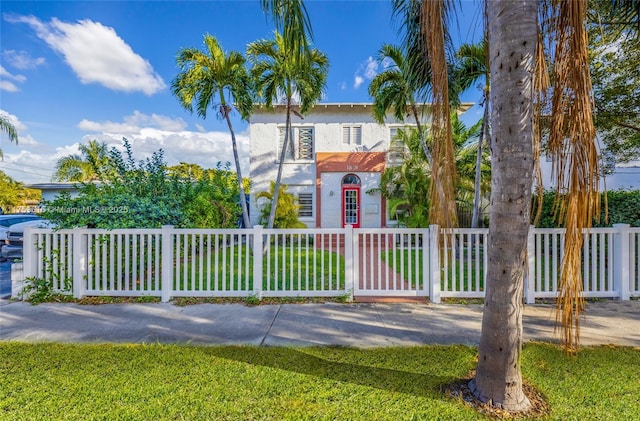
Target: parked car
7	220
12	248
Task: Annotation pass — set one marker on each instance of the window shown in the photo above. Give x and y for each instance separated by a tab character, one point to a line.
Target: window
352	135
305	200
301	139
305	143
397	148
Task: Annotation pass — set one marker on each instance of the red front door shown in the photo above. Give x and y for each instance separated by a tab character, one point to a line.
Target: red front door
351	206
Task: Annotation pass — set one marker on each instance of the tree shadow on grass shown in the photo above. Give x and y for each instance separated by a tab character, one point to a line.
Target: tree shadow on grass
297	360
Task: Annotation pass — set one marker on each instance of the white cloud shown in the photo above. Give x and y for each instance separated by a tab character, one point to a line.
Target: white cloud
134	123
203	148
21	59
367	70
96	54
35	163
7	85
150	133
371	68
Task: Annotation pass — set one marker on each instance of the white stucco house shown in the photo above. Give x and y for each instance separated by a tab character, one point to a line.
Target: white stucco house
339	154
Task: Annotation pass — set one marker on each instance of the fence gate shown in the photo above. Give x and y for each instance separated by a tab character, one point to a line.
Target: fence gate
391	264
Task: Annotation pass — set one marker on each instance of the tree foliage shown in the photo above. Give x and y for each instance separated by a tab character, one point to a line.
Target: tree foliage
406	186
220	80
13	193
286	210
144	195
90	165
614	62
7	127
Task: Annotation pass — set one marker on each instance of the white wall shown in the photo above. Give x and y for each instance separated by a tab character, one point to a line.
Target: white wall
327	120
331	205
624	178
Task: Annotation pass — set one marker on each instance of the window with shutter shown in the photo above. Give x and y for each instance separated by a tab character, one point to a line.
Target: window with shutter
305	143
305	200
352	135
289	153
346	134
356	135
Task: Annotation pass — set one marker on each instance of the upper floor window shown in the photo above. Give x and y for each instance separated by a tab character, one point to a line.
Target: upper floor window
397	147
301	139
352	135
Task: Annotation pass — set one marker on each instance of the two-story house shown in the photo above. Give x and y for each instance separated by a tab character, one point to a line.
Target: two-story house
338	156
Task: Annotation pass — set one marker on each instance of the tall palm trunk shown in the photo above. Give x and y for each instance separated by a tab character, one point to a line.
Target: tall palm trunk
484	128
283	153
243	202
512	44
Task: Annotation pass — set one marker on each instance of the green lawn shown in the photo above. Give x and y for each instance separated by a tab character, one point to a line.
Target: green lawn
283	269
160	382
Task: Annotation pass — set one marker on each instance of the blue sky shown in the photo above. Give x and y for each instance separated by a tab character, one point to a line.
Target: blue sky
75	71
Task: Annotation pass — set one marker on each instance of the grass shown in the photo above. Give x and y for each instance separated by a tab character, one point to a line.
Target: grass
159	382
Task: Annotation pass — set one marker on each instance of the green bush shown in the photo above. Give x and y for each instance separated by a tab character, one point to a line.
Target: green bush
623	207
147	195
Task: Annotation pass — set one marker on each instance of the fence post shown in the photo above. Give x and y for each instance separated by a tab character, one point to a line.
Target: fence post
530	274
80	261
168	261
348	260
434	264
29	254
621	261
258	244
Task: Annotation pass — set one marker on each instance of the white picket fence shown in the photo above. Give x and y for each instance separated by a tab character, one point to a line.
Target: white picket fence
347	262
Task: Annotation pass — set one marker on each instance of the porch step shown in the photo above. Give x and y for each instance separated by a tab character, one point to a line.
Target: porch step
389	299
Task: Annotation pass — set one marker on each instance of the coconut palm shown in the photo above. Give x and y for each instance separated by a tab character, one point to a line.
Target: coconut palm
6	126
213	78
89	165
278	73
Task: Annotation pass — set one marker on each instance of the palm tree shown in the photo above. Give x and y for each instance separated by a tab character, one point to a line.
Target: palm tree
212	78
395	89
6	126
473	66
512	34
513	50
279	73
292	20
89	165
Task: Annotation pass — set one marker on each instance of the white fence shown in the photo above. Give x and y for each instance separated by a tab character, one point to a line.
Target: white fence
347	262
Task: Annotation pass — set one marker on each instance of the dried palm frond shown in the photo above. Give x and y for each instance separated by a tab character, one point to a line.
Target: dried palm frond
442	196
575	157
541	86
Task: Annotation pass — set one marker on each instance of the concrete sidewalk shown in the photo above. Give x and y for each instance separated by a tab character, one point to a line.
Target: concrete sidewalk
359	325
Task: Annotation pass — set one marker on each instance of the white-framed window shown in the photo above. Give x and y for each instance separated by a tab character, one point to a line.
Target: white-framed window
305	201
351	135
302	140
397	148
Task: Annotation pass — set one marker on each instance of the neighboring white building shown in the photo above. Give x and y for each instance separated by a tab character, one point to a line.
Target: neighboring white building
339	155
